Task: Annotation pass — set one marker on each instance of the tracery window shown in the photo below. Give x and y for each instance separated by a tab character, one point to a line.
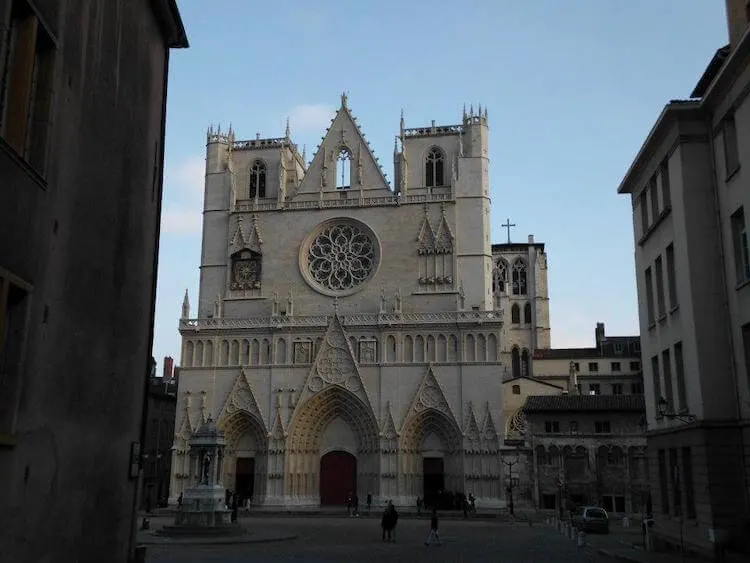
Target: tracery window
339	257
527	313
246	270
258	179
500	276
515	314
515	362
344	170
434	165
525	363
519	277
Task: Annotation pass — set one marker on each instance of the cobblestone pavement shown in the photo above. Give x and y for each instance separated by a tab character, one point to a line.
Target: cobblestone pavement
338	540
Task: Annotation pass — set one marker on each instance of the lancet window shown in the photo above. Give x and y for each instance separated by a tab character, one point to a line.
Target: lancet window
344	170
515	314
519	277
527	313
258	179
515	357
434	168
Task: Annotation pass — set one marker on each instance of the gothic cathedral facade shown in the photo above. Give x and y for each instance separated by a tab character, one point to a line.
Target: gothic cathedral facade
350	335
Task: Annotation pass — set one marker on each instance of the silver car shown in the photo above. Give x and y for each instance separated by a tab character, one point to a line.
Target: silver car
591	519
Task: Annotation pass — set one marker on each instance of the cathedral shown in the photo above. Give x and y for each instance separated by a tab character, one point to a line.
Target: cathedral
352	336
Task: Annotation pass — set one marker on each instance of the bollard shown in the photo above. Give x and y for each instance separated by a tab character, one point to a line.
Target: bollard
581	539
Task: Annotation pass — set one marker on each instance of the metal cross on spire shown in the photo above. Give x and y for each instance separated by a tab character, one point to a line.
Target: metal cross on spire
508	225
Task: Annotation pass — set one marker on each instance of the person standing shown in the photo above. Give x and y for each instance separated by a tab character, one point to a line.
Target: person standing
434	535
393	520
349	505
356	505
369	503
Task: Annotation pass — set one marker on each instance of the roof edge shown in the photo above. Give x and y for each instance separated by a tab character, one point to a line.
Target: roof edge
662	122
712	69
168	15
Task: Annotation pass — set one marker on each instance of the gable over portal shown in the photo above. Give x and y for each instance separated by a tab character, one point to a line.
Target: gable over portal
344	163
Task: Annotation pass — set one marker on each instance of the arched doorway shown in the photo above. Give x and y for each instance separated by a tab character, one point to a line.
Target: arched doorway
338	478
245	465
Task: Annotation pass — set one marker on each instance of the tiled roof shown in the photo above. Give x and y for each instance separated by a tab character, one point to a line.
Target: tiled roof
534	379
544	403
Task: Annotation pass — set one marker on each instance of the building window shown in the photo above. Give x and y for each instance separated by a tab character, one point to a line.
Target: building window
643	204
595	389
27	87
741	253
679	368
636	388
617	388
527	313
577	366
654	195
687	471
663	485
666	368
593	366
519	277
671	281
552	426
746	346
618	348
674	473
666	190
635	366
500	276
660	307
615	456
602	427
731	152
649	287
515	361
574	427
434	168
656	380
258	179
616	366
516	389
344	169
515	314
14	296
525	363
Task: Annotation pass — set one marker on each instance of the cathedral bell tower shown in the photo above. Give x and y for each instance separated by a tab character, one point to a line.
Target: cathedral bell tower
472	192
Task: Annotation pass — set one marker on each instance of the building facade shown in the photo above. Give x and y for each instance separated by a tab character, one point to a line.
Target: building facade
157	446
688	187
80	193
347	338
588	449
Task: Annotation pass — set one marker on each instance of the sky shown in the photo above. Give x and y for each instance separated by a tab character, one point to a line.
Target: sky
572	90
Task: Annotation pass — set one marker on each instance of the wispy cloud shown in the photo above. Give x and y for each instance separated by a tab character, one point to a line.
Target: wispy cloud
310	118
183	190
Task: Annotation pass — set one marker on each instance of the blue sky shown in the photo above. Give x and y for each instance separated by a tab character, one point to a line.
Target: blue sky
572	88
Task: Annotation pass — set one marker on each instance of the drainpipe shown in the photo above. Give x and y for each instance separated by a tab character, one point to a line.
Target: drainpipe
725	280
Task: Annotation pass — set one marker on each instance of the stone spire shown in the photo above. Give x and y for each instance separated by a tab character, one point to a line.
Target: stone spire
288	131
572	379
186	306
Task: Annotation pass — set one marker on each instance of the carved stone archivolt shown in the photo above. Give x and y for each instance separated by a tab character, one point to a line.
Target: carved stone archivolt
339	257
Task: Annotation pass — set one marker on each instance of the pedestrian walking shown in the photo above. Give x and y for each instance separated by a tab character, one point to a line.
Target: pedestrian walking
349	505
356	505
434	534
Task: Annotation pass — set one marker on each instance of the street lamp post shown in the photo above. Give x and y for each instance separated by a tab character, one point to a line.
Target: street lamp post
509	463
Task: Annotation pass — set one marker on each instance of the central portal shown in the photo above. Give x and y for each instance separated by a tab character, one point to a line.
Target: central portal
338	478
434	480
244	481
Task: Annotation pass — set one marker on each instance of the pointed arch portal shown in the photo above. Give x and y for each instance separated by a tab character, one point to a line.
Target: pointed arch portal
246	462
336	418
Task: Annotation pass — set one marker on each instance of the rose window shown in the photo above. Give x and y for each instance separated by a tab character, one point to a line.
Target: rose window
339	257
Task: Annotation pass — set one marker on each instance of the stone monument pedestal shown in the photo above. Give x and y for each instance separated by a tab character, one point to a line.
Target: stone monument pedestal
204	510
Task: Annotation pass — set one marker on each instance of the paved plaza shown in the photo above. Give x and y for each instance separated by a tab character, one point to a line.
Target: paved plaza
332	540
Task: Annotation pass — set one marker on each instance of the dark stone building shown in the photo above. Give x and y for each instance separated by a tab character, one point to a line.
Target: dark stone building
157	446
82	119
588	449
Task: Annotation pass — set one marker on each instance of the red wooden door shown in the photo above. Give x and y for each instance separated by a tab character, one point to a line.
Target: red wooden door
338	478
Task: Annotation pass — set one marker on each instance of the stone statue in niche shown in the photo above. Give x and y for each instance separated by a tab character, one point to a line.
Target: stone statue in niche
246	270
206	467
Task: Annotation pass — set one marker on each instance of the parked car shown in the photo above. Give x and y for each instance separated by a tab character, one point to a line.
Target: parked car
591	519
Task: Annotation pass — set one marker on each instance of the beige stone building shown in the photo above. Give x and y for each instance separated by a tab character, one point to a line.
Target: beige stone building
688	187
347	336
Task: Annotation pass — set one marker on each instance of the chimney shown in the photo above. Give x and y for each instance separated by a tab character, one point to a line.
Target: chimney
599	334
168	372
531	239
737	20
